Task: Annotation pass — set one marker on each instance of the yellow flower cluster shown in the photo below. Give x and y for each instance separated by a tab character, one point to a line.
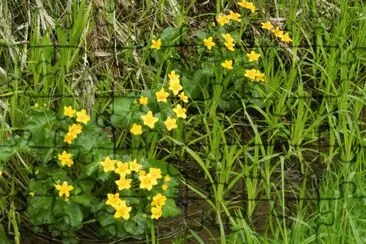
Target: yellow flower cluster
65	158
285	37
157	205
162	95
75	128
229	42
122	210
147	181
224	19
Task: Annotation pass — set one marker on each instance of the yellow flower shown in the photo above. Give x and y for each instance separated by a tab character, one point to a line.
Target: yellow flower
229	45
155	173
123	183
183	97
136	129
122	211
113	200
68	111
175	87
65	159
277	32
170	123
108	164
173	77
64	189
156	212
251	74
31	194
75	129
267	25
162	95
149	120
158	200
259	76
227	64
228	38
142	172
146	182
164	187
122	169
234	16
247	5
156	44
222	19
167	178
209	43
286	38
69	137
82	117
134	166
180	112
143	100
253	56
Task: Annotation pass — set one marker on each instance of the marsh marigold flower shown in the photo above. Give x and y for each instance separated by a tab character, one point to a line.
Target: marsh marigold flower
136	129
146	182
251	74
143	100
267	25
108	164
170	123
286	38
156	212
156	44
234	16
180	112
228	38
229	45
155	173
222	19
162	95
164	187
122	169
75	129
68	111
247	5
209	43
149	119
134	165
159	200
113	200
173	77
175	87
64	189
253	56
227	64
123	211
123	183
82	117
65	159
277	32
183	97
69	137
259	76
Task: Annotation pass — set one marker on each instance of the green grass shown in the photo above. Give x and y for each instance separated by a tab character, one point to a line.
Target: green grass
258	167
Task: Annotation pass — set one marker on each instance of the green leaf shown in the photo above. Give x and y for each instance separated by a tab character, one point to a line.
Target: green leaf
3	238
170	209
73	215
193	85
